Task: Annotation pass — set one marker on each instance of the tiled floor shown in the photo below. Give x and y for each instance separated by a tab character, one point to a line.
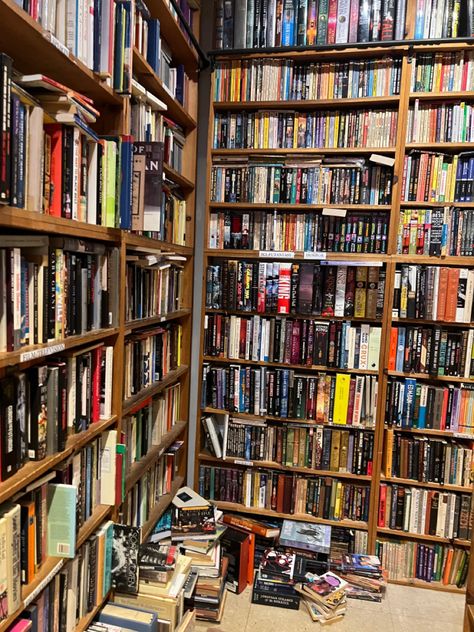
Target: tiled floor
404	609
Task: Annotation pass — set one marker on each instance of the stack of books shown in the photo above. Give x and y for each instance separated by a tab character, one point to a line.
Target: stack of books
324	596
115	617
274	581
365	576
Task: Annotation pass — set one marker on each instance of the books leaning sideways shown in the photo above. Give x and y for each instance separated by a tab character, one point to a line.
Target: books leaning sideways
364	576
324	596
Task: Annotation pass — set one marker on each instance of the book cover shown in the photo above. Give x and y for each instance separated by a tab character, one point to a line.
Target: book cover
125	547
305	535
61	530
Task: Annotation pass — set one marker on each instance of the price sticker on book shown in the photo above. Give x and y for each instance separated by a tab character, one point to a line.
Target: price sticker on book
276	254
314	255
40	353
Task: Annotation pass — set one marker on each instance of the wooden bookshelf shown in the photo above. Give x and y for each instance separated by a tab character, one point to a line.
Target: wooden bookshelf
34	51
406	51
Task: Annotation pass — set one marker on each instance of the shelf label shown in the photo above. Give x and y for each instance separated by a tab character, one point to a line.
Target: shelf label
40	353
337	212
463	435
314	255
352	262
382	160
240	462
277	254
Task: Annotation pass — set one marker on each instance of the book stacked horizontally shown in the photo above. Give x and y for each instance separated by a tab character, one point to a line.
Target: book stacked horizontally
311	544
324	596
118	618
274	583
364	575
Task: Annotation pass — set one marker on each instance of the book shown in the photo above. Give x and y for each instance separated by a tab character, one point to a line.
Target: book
61	533
304	535
125	551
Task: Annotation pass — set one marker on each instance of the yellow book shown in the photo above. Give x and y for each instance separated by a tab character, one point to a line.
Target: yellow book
360	298
388	452
337	119
266	123
338	503
341	398
331	77
434	179
178	353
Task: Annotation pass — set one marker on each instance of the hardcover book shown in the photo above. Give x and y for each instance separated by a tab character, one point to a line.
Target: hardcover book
125	549
306	535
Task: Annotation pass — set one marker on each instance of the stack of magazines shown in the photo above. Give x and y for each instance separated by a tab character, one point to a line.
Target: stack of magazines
364	575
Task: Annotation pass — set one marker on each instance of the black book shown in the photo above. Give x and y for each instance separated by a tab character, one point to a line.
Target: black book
5	123
126	543
38	378
67	170
228	27
8	429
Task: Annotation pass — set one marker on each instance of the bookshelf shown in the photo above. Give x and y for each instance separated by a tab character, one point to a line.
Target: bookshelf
256	84
34	49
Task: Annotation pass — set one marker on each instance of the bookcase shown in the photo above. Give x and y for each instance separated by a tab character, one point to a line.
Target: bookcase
149	299
340	156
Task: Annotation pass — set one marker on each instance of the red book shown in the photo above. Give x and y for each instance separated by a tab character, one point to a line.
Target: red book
332	22
284	288
451	294
442	293
296	343
353	21
262	280
392	356
382	506
55	131
350	405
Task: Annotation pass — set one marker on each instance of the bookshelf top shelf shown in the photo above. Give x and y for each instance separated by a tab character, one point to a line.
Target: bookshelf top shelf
149	79
317	151
303	104
38	53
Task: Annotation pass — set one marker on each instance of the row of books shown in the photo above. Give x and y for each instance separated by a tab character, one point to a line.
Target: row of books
285	493
427	460
334	399
150	355
428	562
286	341
51	401
153	288
147	36
307	232
443	72
443	123
440	19
414	404
432	351
282	79
297	288
291	445
436	232
147	426
430	177
272	129
316	181
261	24
150	488
54	288
146	114
433	293
426	512
100	35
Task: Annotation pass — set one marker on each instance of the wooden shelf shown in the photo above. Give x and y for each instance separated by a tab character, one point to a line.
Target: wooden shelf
426	376
138	400
433	147
303	104
394	480
436	204
419	583
249	206
150	81
237	507
178	178
229	460
423	321
374	49
432	432
161	506
182	50
138	323
33	352
32	51
421	536
299	367
136	242
424	259
440	96
22	219
297	255
87	619
304	152
307	422
33	470
140	467
230	312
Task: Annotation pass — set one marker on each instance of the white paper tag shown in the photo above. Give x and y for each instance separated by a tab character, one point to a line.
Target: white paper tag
314	255
382	160
239	462
362	264
337	212
40	353
277	254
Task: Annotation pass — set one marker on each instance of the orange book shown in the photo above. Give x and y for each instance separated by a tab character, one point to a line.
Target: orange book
388	455
250	571
442	293
392	356
447	567
55	132
250	525
28	554
452	295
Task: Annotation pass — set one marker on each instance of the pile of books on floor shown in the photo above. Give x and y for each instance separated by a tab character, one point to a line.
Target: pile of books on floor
324	596
118	618
364	576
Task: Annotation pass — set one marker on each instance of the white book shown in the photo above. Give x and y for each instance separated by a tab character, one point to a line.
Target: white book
106	406
340	297
374	348
423	514
413	511
350	345
462	291
343	17
365	336
108	442
16	294
72	570
442	513
13	533
216	444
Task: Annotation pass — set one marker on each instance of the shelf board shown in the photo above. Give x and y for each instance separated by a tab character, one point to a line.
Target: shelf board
436	378
424	321
311	53
161	507
33	470
303	104
182	50
138	323
138	400
237	507
140	467
299	367
135	241
314	151
419	583
18	357
405	204
32	51
219	411
297	255
443	96
433	147
230	312
277	466
22	219
394	480
421	536
432	432
150	81
87	619
178	178
249	206
425	259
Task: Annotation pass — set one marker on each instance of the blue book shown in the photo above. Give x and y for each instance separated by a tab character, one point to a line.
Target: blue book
285	379
408	402
423	406
136	619
126	182
153	49
248	443
400	349
288	25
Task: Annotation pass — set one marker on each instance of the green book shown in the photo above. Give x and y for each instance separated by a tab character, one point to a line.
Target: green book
61	533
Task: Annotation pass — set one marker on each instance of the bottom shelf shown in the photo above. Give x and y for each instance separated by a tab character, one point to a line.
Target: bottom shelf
84	623
351	524
419	583
161	507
